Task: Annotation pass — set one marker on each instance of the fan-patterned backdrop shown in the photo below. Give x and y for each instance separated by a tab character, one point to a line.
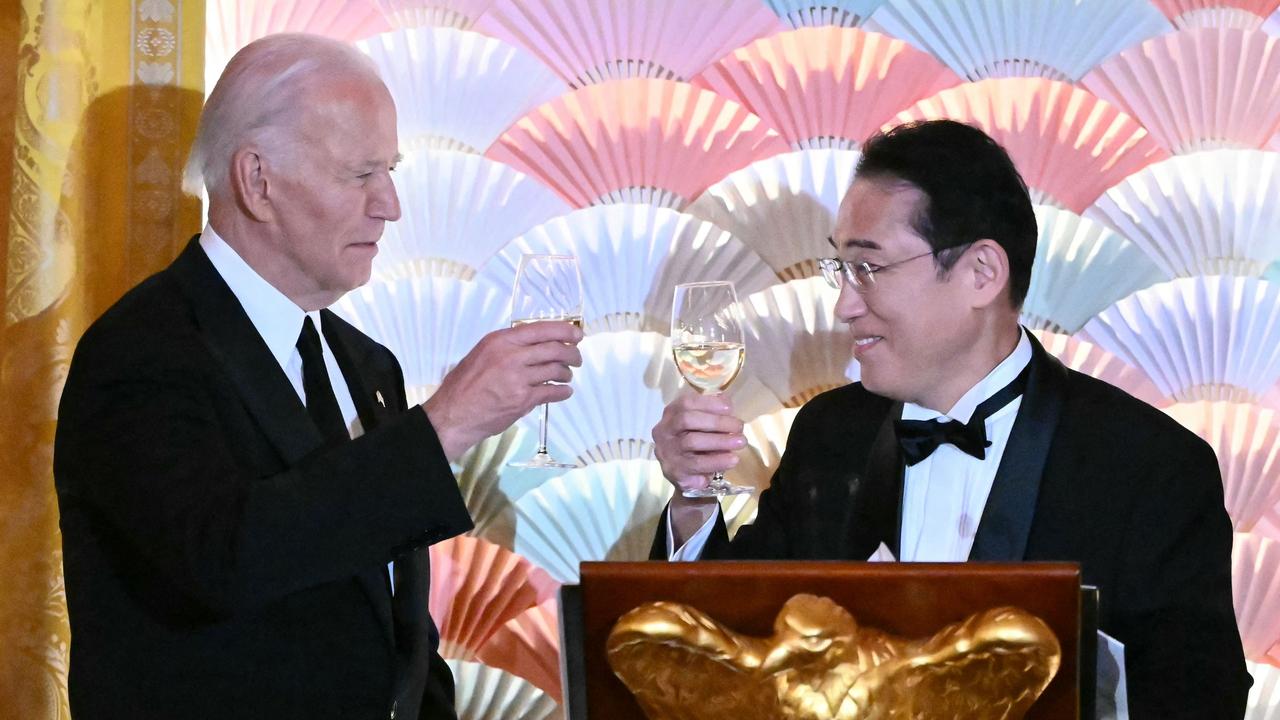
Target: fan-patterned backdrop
665	141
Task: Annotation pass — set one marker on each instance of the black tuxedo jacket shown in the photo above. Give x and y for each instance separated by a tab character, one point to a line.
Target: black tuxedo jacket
1089	475
221	563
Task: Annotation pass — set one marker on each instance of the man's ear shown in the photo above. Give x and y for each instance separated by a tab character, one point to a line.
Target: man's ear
250	185
987	269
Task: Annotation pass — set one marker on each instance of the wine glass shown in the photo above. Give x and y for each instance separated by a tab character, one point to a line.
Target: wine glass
706	339
547	287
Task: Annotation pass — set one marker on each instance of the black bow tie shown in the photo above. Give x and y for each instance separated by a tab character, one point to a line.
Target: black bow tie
919	438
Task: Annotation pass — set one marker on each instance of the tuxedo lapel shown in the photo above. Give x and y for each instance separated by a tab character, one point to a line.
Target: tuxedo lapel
1006	519
880	507
239	349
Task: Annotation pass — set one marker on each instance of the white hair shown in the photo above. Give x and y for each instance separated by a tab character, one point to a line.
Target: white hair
260	96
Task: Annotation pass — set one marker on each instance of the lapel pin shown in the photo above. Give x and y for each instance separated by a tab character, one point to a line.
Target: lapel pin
377	394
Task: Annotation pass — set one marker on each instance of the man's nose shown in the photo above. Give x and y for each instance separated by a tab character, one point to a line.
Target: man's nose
384	204
851	305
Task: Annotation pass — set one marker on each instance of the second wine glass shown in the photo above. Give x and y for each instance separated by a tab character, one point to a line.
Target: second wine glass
706	340
547	287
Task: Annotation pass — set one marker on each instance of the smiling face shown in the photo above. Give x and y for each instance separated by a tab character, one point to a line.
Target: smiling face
911	329
330	205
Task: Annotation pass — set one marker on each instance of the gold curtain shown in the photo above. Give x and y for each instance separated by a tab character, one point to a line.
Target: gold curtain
98	105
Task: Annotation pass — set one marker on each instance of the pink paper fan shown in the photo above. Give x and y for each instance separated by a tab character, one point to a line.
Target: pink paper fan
1246	438
1241	14
1083	356
232	24
476	587
1255	590
1198	89
460	14
1069	145
650	141
528	646
589	41
827	87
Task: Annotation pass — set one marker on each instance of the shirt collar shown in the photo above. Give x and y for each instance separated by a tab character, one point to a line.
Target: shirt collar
277	319
1000	376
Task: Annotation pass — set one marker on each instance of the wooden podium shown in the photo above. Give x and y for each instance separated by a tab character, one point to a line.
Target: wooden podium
907	599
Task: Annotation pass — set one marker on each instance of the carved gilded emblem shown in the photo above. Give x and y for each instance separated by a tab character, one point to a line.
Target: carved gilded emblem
821	665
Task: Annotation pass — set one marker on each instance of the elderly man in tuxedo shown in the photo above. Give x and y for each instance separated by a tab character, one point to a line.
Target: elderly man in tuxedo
966	440
246	498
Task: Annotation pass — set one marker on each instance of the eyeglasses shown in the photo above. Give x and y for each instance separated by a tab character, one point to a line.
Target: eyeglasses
862	276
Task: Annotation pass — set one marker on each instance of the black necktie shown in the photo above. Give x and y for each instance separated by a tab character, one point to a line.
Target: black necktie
919	438
322	405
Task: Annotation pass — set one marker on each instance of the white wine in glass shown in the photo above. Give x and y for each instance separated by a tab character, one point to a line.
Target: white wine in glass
547	287
706	339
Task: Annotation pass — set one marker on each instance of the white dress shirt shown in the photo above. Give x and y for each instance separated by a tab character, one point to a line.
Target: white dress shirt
945	493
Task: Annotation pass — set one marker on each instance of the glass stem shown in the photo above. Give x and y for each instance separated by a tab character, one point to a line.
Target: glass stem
542	430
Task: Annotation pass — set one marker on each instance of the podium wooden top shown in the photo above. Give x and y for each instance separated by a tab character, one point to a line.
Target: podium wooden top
907	599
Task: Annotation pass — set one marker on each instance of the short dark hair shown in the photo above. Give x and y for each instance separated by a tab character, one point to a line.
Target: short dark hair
972	188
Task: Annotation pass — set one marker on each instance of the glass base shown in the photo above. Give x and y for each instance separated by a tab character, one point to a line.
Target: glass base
719	491
541	460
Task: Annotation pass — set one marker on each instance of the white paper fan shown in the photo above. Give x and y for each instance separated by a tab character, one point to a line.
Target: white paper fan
459	209
1068	145
1198	89
1272	24
1056	39
816	13
455	89
1204	338
588	41
826	87
232	24
619	393
631	257
1264	696
476	587
1081	268
651	141
1239	14
1086	357
795	345
604	511
766	441
486	693
1255	590
528	646
459	14
783	207
489	501
1246	439
429	323
1207	213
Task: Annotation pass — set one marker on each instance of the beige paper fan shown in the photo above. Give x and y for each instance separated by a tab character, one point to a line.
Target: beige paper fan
1055	39
1246	439
795	345
1081	268
826	87
619	393
631	257
1202	338
486	693
1086	357
1255	590
783	207
649	141
1239	14
1264	696
1198	89
766	441
232	24
528	646
429	323
476	587
1068	145
604	511
488	499
459	14
457	90
1209	213
588	41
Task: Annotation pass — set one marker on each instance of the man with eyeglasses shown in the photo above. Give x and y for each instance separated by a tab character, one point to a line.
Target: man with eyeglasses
965	440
